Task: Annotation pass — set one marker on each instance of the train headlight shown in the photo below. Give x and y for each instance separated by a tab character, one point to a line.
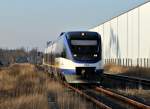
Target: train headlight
83	72
75	55
95	55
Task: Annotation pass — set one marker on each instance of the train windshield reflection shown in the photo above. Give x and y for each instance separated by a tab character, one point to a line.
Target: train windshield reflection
84	42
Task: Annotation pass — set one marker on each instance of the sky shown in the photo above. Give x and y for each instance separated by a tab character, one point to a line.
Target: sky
31	23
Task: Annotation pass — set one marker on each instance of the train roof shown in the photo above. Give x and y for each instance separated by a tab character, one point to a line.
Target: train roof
73	33
79	32
70	33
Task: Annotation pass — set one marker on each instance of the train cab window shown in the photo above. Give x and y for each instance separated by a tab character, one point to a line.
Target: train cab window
85	50
84	42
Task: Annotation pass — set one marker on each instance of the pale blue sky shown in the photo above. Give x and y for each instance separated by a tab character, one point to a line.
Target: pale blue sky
30	23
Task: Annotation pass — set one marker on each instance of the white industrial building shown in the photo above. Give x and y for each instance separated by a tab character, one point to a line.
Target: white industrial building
126	38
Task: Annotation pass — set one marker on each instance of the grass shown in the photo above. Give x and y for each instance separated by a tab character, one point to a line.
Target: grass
23	86
67	99
25	102
115	69
128	71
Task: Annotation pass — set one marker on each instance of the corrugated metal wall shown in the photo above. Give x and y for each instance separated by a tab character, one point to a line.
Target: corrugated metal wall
126	38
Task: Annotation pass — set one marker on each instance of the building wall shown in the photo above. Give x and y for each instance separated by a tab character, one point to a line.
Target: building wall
126	38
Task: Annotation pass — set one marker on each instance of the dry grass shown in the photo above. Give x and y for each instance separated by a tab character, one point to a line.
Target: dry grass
128	71
25	102
67	99
22	86
115	69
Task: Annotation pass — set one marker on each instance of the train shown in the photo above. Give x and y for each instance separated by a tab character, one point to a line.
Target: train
75	57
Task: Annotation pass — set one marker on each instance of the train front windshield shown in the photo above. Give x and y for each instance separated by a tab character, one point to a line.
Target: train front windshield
88	50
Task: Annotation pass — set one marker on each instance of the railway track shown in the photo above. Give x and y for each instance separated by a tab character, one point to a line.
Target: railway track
118	97
92	99
106	99
145	83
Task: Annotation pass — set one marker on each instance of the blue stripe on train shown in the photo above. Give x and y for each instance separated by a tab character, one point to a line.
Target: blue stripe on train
67	71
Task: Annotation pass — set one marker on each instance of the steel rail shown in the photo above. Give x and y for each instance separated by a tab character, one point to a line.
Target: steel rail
122	98
129	79
98	103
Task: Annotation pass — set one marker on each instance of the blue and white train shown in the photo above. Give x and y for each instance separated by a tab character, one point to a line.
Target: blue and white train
76	57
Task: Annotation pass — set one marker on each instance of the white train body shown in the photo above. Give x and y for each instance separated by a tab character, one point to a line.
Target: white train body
76	56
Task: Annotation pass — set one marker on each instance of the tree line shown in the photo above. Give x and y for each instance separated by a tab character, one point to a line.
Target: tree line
10	56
